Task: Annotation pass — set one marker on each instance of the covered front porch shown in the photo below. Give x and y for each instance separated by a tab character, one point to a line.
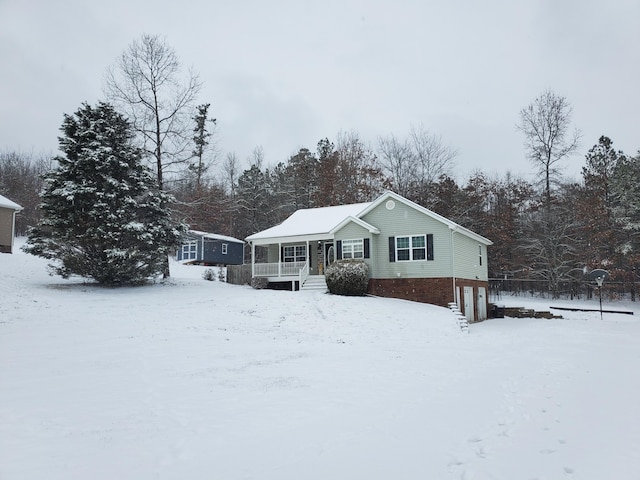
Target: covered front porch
292	260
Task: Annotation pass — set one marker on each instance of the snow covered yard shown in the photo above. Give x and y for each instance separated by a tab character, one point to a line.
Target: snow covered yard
200	379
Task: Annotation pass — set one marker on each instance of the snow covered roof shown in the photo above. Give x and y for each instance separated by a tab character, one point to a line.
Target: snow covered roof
214	236
311	221
6	203
324	221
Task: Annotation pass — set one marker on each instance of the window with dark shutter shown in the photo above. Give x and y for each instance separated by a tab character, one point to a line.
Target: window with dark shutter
392	249
338	249
412	248
430	246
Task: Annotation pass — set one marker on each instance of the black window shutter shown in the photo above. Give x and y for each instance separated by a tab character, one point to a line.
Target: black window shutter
392	249
430	246
339	250
366	248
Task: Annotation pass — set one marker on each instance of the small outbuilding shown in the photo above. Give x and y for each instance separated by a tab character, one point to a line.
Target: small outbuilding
8	211
210	249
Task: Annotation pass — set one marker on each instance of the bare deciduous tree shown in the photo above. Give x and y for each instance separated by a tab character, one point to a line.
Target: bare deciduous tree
433	159
416	164
546	124
396	159
21	180
148	86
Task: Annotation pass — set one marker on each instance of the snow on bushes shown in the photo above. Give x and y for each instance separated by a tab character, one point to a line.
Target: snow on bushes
260	283
347	277
209	275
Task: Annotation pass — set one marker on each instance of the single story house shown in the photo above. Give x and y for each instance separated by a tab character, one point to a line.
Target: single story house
8	211
412	252
210	249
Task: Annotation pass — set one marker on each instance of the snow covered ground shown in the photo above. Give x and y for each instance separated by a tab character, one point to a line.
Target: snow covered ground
200	379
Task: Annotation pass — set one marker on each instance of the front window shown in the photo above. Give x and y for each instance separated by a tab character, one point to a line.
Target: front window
224	248
189	250
353	248
294	253
411	248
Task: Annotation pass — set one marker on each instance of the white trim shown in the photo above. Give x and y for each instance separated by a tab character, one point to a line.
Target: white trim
352	242
293	239
186	247
411	248
358	221
452	225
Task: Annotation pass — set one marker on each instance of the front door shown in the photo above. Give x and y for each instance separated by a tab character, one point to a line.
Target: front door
329	254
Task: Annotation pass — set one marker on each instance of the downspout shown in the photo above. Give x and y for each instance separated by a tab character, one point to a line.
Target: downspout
13	230
453	266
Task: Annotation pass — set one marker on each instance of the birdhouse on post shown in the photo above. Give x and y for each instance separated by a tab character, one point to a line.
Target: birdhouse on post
599	276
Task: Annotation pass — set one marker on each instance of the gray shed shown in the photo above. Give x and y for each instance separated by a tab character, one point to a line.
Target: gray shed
210	249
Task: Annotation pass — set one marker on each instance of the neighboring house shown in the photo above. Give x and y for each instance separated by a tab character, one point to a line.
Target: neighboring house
8	211
412	252
210	249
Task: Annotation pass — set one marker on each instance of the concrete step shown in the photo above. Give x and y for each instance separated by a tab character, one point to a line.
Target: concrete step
315	282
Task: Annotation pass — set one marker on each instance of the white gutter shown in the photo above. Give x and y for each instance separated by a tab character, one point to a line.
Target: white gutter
453	264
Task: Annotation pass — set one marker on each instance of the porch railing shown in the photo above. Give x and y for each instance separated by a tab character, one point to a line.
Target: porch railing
279	269
304	274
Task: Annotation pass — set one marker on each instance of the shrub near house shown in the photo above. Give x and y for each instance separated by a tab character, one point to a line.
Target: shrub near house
347	277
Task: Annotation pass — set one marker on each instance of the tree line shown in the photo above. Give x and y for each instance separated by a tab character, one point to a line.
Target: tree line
549	229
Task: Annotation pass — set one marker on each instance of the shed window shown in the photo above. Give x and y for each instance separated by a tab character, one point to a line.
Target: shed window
353	248
189	250
224	248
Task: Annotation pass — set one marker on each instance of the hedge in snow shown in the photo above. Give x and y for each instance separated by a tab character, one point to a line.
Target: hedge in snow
347	277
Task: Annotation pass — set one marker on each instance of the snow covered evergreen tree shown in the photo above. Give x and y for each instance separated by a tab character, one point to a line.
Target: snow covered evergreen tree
103	215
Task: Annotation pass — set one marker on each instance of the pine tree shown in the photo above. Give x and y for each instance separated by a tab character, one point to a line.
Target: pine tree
103	215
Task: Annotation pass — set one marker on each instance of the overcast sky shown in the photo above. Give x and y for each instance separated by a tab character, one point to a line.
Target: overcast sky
284	74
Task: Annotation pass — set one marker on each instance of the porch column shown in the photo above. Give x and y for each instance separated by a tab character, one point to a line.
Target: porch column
253	259
279	258
308	258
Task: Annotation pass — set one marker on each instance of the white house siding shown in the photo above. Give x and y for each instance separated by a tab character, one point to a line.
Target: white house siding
404	220
467	258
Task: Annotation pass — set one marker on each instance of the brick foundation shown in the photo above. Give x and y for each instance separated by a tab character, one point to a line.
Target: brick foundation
437	291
